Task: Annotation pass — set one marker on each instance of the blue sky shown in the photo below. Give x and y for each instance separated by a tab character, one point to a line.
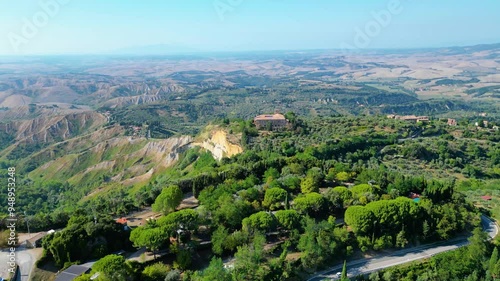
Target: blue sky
100	26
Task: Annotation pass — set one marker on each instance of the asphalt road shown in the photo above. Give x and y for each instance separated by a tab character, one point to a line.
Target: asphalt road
26	262
365	266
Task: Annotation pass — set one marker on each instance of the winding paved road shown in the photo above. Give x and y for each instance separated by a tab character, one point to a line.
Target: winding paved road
365	266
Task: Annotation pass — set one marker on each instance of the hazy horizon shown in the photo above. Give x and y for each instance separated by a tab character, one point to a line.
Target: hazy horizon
70	27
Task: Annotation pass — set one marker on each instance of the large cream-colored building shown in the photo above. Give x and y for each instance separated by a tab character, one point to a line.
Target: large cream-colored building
273	121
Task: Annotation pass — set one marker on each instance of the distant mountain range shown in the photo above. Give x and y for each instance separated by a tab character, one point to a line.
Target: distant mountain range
152	50
178	49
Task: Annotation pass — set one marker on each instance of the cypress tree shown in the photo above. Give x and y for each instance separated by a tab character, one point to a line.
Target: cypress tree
493	260
344	272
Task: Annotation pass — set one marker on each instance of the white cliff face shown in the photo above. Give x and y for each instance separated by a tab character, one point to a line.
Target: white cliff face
219	145
166	151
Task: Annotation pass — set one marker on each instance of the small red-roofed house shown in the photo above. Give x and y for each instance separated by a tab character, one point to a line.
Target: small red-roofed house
122	221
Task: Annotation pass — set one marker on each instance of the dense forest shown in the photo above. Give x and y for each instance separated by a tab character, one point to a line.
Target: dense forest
327	190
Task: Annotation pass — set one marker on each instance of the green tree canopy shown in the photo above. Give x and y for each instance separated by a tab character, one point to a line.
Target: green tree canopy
311	203
312	181
219	240
362	188
186	220
151	238
274	197
320	241
271	174
112	268
342	176
155	272
360	219
168	200
215	271
262	221
339	196
250	260
230	212
288	219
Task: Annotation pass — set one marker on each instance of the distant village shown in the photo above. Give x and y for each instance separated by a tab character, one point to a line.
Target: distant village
451	121
409	118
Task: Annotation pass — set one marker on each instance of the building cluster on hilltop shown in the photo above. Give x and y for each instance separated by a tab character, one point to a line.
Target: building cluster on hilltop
410	118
